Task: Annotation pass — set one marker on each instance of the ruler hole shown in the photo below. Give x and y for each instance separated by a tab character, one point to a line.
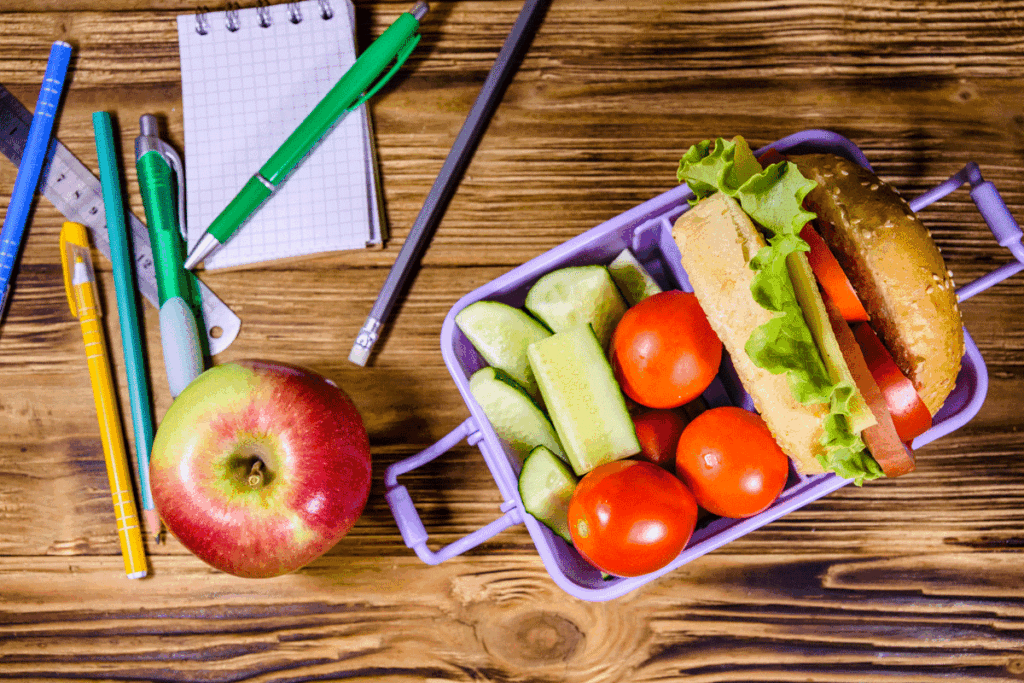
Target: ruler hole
216	332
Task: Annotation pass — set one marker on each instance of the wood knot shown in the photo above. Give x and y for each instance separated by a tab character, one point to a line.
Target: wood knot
533	638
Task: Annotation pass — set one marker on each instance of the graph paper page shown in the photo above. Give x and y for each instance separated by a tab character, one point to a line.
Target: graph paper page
243	92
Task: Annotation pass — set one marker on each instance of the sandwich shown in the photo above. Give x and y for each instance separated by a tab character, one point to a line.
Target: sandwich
831	298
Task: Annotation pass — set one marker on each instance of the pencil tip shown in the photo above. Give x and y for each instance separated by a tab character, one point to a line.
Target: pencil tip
151	518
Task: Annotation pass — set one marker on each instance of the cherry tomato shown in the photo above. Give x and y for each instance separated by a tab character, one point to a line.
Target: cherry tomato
831	277
631	517
664	351
729	460
909	413
658	433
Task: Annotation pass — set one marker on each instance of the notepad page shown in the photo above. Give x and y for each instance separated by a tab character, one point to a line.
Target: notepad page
243	92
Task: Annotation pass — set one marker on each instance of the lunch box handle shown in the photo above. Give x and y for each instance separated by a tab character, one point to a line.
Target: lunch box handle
408	519
996	214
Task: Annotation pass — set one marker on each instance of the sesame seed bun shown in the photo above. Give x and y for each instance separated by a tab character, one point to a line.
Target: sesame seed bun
896	268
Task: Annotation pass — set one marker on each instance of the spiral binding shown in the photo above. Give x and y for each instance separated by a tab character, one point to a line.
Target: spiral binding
233	22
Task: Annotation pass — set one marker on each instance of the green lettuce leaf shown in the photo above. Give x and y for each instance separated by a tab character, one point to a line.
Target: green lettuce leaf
773	198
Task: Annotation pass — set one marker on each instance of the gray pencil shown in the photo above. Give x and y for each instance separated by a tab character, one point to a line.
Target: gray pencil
448	179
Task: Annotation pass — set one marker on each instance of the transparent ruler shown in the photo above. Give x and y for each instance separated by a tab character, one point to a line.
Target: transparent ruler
77	194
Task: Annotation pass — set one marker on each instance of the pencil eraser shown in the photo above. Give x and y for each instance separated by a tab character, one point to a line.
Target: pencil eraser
359	354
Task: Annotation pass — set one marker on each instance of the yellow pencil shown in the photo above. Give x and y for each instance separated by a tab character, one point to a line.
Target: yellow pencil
80	284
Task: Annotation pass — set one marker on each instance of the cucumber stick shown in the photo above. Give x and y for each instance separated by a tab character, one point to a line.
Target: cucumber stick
546	485
583	399
516	418
501	334
635	283
574	295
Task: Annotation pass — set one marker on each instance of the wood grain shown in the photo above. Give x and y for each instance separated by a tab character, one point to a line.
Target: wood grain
916	579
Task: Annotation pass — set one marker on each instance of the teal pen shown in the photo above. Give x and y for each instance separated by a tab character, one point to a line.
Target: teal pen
161	182
127	310
354	88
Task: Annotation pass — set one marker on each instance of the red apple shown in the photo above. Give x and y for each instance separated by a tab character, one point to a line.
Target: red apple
259	468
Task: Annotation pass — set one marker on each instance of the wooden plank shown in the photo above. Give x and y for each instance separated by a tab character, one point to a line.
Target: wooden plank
916	578
828	618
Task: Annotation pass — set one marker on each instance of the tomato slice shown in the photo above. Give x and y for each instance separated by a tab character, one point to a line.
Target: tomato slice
882	439
770	156
909	413
831	277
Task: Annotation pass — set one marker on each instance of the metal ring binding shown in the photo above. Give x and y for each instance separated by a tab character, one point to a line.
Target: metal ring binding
231	20
263	11
233	23
202	23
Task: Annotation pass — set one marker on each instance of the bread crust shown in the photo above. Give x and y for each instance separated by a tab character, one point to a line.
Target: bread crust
896	268
717	240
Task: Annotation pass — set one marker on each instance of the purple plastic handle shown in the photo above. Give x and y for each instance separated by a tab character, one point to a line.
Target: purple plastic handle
646	230
998	217
408	519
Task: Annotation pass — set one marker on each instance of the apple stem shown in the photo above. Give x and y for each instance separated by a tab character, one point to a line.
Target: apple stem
256	474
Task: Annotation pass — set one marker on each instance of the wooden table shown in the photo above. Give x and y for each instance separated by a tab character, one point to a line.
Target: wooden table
917	579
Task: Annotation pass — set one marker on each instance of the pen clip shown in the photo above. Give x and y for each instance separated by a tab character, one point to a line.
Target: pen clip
74	246
149	141
400	58
174	161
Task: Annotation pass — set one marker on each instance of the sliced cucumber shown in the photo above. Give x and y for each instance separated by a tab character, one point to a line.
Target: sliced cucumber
546	485
816	315
501	334
635	283
571	296
515	416
583	399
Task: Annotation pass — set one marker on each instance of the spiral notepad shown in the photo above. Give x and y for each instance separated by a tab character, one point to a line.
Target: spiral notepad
249	77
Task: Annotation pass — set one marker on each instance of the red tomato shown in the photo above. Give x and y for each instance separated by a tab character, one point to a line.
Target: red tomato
883	441
631	517
664	352
730	461
770	156
831	277
658	432
909	413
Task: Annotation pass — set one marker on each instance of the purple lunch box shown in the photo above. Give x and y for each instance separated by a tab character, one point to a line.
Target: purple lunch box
647	231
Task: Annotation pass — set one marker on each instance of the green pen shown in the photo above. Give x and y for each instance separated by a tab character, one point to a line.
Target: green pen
161	181
394	45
